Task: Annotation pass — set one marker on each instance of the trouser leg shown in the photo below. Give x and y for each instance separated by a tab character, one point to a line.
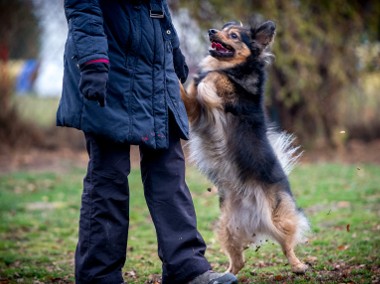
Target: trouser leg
180	246
104	215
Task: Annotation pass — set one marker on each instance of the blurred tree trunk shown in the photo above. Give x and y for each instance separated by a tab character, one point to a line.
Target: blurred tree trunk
5	84
19	40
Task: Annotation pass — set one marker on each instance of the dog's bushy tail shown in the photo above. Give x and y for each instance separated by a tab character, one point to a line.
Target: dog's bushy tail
283	146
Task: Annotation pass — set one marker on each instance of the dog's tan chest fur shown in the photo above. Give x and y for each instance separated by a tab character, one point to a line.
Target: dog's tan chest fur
222	86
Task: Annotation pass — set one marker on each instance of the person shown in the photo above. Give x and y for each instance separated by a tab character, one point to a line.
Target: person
122	66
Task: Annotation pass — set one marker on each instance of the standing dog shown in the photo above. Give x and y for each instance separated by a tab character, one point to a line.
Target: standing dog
232	144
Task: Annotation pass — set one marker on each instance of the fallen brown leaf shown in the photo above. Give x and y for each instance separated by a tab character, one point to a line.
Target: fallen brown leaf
343	247
279	278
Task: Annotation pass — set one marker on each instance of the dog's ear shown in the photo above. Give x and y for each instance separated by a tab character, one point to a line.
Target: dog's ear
264	34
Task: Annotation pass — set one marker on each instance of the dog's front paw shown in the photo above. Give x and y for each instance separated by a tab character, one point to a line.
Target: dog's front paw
300	268
234	268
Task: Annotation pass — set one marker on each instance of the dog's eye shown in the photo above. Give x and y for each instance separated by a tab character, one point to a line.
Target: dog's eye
233	35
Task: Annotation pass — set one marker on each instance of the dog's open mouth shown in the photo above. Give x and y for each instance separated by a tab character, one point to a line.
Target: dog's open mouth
218	49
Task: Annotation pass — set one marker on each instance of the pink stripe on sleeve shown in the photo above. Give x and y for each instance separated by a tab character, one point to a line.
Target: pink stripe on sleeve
101	60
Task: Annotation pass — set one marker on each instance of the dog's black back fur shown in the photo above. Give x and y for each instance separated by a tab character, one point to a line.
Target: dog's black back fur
253	152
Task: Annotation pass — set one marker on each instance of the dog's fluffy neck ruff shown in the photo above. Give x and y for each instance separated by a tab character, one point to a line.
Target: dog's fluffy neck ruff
249	76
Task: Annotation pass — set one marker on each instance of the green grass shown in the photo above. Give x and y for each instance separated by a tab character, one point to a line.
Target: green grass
39	217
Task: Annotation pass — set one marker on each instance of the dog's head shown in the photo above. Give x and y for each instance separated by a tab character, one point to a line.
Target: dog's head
236	43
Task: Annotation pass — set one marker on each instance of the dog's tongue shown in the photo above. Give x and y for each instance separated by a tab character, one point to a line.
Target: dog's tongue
218	46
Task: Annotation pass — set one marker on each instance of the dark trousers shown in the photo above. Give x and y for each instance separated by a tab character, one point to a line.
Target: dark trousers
104	215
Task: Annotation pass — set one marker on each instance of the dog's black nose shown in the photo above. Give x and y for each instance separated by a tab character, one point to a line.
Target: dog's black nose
212	31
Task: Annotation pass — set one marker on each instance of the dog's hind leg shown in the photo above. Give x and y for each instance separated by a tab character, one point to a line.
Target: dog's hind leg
297	266
291	225
231	243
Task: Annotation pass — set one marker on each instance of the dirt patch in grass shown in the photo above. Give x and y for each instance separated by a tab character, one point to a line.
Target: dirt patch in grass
354	152
61	158
339	273
56	154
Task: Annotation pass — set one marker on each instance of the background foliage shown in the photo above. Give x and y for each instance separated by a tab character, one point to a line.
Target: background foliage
323	82
327	53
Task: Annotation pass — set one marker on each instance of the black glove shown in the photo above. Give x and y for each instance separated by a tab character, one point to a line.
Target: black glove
180	65
93	82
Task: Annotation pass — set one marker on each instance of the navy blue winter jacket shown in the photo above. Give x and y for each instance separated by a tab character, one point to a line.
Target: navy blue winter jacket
142	87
